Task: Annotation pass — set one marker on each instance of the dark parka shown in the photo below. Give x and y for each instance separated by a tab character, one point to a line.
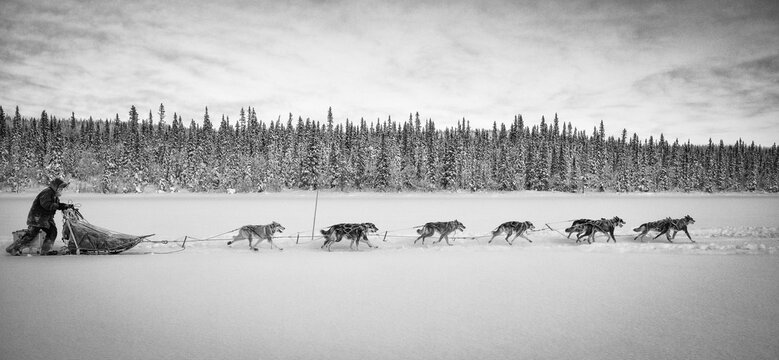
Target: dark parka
45	205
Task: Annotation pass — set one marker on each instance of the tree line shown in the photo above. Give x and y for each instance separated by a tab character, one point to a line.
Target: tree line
151	153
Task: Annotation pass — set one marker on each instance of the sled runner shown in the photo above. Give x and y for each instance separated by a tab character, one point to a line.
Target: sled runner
85	238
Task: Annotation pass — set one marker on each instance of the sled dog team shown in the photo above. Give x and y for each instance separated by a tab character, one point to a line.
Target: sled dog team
358	232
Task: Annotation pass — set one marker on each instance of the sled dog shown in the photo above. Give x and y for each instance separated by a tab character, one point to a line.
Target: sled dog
606	226
262	232
660	226
679	225
513	227
578	227
354	232
444	228
664	227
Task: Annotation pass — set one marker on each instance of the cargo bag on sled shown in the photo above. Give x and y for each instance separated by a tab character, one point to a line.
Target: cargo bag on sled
85	238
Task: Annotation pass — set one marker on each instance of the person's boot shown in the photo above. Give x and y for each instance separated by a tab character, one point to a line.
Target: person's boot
14	250
46	248
47	251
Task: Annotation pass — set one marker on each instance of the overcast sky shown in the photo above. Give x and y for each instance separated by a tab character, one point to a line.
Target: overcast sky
688	69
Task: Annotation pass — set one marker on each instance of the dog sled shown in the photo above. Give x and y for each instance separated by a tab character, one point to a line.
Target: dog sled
85	238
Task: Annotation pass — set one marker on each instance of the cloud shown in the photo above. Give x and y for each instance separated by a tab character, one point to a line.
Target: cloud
749	88
627	63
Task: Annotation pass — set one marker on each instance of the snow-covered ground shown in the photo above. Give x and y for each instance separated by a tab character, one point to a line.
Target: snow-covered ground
714	299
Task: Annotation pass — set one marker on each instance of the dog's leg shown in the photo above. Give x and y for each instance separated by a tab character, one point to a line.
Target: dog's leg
641	234
439	239
525	237
367	241
661	233
581	235
512	240
447	240
688	235
250	242
328	242
235	238
494	234
668	235
270	241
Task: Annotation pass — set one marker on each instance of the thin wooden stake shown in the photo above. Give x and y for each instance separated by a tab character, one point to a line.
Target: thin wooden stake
316	204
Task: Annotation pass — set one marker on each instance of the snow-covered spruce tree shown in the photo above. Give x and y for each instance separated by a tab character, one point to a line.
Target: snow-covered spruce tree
752	172
449	166
431	178
382	180
309	167
15	153
54	168
773	181
4	150
408	154
622	167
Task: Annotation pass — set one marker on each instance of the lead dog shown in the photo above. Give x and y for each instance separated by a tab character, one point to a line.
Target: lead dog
665	226
444	228
263	232
513	227
354	232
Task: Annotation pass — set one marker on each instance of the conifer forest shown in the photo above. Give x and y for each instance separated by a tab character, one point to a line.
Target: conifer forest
155	152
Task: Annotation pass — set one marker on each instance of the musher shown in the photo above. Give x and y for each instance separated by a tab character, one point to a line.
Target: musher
41	218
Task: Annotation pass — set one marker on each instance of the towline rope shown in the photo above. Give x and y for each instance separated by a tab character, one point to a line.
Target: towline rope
385	235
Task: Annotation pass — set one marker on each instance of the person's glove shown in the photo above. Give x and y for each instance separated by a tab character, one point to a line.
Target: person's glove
66	206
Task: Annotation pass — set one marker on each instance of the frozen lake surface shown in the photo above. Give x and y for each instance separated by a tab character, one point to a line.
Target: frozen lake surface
714	299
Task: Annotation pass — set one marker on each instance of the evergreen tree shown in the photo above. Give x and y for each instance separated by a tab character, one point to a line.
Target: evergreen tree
449	167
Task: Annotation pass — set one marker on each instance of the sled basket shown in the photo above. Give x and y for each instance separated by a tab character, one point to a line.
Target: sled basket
85	238
34	246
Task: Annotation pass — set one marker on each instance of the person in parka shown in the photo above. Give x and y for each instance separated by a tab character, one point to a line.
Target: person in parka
41	218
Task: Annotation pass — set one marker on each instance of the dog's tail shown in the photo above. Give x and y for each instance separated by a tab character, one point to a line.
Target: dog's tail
327	231
420	230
